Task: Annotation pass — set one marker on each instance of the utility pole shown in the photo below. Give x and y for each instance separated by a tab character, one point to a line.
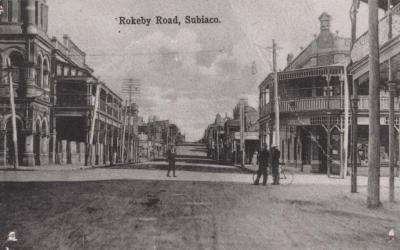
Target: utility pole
13	118
392	93
373	200
123	134
91	135
276	94
131	88
242	130
218	143
354	117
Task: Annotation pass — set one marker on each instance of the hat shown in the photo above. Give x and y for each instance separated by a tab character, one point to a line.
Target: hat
11	237
273	145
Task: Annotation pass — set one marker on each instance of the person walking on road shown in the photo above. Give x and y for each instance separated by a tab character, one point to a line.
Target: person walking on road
263	157
171	158
275	155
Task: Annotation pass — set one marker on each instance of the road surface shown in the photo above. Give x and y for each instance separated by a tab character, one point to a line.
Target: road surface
200	209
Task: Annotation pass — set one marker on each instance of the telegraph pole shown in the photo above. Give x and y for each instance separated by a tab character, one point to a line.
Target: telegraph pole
354	117
131	88
92	126
13	116
373	200
276	94
242	130
123	134
392	93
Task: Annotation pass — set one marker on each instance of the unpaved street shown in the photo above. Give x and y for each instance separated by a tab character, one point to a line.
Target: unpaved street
185	213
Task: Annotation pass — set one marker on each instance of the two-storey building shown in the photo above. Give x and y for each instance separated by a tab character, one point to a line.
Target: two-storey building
55	94
313	99
389	51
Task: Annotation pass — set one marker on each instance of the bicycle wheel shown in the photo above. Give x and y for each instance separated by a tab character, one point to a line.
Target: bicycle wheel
286	177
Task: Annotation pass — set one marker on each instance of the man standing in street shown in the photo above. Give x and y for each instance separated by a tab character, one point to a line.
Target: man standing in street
263	157
275	155
171	158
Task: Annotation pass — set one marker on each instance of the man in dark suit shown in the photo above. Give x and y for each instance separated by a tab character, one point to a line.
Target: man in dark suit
275	155
171	158
263	157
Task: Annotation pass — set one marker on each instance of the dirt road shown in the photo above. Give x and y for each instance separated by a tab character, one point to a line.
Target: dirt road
185	213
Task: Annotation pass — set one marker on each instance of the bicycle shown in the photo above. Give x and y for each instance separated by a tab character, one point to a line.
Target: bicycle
286	177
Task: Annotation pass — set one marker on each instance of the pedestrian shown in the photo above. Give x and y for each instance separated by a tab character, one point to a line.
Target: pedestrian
171	157
275	155
263	157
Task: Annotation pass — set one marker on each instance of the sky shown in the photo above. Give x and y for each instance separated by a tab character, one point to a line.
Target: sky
190	72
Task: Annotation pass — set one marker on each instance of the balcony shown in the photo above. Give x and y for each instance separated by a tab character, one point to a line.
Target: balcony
311	104
71	101
323	104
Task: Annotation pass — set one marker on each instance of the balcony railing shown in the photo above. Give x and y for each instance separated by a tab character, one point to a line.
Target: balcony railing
72	101
384	103
311	104
322	104
103	106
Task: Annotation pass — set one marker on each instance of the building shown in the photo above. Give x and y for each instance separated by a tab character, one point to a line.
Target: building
64	114
313	104
223	136
232	135
213	137
156	135
389	50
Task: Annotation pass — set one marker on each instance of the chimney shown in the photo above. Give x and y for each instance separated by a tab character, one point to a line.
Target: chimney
325	21
66	40
289	59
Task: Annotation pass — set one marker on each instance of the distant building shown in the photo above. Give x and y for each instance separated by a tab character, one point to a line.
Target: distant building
223	136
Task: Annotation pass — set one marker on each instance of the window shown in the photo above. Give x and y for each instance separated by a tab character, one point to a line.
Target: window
21	11
59	70
10	11
41	15
46	70
36	12
46	17
66	71
39	71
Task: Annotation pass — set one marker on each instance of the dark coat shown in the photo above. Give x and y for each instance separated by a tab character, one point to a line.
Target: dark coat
275	154
171	156
263	158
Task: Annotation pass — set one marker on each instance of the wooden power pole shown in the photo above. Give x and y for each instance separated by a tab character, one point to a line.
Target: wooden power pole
373	200
92	126
354	121
131	88
276	94
13	116
242	130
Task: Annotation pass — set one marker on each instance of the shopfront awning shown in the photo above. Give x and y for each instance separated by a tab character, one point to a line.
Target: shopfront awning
247	136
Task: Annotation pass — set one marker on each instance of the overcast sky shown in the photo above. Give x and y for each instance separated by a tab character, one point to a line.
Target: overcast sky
189	73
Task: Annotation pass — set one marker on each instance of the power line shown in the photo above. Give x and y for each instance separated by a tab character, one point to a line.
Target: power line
152	53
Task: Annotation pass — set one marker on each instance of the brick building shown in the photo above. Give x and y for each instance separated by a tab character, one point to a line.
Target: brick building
55	95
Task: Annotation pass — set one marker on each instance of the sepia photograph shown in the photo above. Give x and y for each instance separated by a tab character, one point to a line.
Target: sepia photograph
200	124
